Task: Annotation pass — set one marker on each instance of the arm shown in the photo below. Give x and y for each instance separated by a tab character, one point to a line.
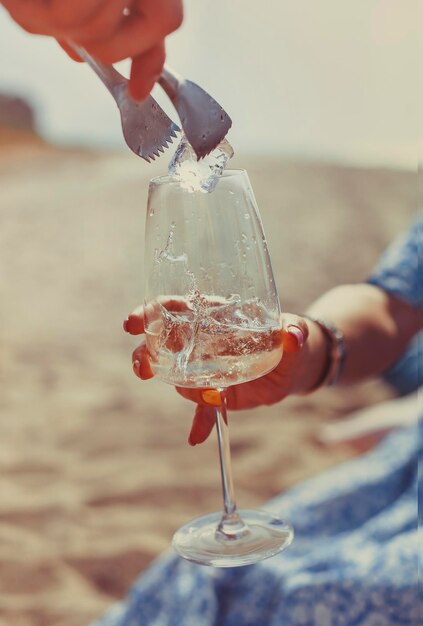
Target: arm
377	329
377	320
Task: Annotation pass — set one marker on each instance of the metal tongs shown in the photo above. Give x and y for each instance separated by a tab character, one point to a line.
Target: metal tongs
146	127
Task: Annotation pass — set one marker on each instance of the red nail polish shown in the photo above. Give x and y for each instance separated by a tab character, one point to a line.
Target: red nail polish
136	368
125	325
298	334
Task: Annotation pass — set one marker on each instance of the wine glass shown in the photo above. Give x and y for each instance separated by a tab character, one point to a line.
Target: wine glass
212	319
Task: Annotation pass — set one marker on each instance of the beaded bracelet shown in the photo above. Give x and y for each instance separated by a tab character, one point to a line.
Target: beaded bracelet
336	353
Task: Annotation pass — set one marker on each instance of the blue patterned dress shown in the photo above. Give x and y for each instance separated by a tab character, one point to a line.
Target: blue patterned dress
355	557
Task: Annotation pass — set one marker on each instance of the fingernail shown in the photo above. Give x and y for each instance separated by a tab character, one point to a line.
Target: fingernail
191	440
298	334
125	325
145	371
136	367
212	397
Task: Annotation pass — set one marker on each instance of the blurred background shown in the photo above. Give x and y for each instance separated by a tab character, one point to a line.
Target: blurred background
326	100
308	79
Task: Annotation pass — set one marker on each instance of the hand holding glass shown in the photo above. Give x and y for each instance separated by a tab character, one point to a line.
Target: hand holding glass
212	320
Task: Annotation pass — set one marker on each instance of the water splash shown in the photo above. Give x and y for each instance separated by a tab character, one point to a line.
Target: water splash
161	255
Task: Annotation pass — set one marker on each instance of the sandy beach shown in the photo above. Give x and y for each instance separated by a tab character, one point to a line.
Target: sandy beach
95	470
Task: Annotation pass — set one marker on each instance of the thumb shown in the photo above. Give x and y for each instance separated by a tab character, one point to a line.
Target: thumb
295	333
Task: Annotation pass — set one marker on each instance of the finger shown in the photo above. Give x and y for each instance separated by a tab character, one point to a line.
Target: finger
211	397
101	24
36	20
69	51
176	305
134	323
145	70
204	397
202	425
55	17
141	363
295	333
139	32
289	319
166	14
67	15
132	39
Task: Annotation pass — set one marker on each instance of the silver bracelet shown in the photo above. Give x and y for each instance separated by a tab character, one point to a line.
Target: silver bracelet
336	353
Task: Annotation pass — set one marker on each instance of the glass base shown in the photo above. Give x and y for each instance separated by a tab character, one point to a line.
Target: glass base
245	538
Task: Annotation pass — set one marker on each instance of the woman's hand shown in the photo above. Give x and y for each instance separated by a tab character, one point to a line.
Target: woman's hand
110	30
269	389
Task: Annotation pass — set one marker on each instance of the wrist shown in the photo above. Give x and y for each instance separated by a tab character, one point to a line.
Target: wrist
331	354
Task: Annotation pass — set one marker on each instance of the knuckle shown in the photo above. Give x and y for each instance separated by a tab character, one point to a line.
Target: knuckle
103	53
178	15
172	20
61	19
137	353
31	30
107	55
160	57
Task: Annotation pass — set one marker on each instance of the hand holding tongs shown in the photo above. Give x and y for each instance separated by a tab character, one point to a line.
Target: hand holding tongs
146	127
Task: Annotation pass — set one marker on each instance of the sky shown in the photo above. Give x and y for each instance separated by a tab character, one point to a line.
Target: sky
315	79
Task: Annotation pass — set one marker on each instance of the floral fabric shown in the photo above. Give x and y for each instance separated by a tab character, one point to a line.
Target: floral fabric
353	562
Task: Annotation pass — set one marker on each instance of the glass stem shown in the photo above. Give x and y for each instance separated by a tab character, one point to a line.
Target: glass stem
225	456
231	525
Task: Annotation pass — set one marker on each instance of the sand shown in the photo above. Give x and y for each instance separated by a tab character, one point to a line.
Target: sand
95	472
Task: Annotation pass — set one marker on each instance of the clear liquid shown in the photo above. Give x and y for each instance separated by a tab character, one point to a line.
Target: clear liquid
212	344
